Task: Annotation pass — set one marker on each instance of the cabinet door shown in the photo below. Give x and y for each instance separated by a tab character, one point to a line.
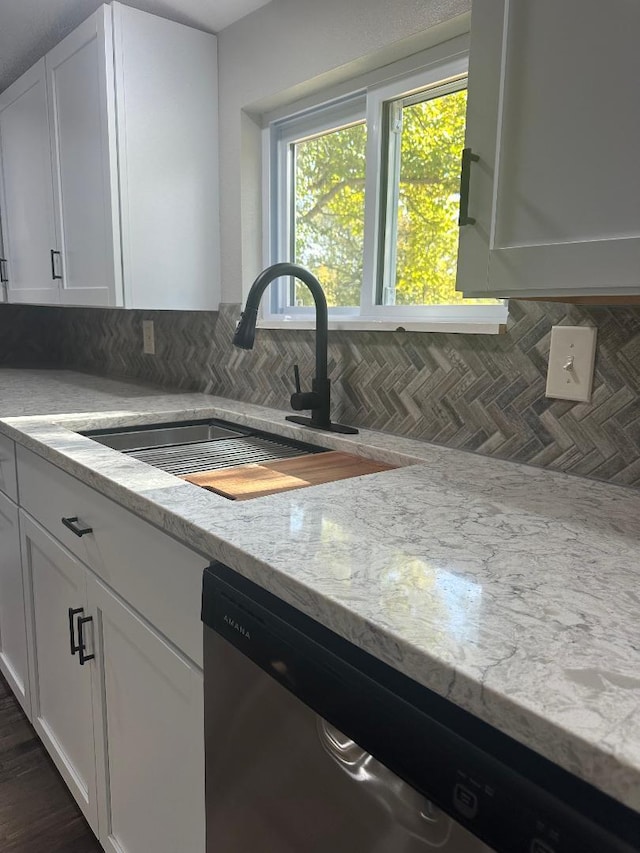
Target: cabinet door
553	119
26	199
149	705
166	95
61	691
4	295
13	637
82	111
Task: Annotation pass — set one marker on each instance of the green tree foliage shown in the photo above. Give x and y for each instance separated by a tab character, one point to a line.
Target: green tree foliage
329	206
329	212
428	201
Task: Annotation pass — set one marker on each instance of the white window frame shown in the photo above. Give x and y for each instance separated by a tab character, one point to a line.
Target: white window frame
365	103
279	138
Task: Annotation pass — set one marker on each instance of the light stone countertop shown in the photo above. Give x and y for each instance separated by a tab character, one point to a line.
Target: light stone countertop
510	590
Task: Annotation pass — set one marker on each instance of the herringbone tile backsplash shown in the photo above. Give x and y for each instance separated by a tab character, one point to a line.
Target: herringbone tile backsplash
483	393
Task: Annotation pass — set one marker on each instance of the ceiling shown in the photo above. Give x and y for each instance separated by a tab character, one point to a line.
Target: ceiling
29	28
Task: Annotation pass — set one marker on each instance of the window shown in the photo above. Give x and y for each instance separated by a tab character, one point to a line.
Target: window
364	192
424	138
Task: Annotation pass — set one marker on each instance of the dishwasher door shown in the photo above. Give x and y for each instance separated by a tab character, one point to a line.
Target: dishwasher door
314	746
280	779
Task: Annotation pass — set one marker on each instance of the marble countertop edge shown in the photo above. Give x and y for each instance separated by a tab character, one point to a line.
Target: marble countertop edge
424	615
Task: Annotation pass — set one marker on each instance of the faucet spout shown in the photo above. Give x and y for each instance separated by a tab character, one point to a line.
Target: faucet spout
246	331
319	399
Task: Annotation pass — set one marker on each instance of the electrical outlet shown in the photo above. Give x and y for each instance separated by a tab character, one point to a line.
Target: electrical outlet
148	338
571	360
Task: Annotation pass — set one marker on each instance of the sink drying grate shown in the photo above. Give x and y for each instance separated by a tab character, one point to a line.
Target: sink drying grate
180	459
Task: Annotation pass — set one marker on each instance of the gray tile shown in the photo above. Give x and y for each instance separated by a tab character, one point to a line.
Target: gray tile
479	392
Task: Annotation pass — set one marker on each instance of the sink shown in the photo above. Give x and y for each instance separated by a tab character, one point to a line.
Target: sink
196	446
163	435
197	451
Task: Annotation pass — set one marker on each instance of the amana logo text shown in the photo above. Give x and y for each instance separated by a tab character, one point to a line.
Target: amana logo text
237	626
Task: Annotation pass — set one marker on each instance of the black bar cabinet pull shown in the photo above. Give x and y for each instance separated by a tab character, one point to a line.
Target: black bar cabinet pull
71	524
73	612
81	643
3	271
465	175
54	276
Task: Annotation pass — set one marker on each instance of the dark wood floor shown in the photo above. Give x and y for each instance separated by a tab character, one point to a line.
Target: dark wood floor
37	812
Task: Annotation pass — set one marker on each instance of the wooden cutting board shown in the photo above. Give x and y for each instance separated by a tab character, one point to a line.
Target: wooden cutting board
268	478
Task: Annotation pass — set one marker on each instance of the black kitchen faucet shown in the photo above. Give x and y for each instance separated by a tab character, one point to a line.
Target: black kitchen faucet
318	400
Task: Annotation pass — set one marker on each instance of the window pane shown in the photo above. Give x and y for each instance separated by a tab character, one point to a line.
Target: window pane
424	186
328	213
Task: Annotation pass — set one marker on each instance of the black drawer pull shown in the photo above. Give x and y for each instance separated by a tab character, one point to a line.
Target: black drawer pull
3	271
70	524
73	612
81	643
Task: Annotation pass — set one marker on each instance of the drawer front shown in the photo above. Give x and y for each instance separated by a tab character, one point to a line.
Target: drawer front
157	576
8	481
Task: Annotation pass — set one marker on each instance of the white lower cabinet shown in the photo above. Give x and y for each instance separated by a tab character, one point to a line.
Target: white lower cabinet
13	636
116	702
149	735
61	688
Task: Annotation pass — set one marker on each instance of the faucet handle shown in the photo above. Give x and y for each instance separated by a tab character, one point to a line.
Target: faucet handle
301	400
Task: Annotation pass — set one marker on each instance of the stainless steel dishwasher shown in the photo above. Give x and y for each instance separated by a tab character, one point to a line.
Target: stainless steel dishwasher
313	746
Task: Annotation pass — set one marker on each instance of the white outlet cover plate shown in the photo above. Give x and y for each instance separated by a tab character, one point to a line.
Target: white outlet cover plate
571	362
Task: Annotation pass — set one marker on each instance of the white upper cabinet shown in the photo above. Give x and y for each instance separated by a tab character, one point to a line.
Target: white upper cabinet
167	114
80	83
4	296
109	168
553	120
26	202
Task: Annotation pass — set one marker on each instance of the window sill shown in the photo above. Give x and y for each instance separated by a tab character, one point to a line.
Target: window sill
476	327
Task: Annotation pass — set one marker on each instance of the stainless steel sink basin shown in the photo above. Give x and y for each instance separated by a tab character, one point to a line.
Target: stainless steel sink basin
189	448
162	435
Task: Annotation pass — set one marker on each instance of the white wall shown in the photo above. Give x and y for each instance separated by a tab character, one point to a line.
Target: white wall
285	51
